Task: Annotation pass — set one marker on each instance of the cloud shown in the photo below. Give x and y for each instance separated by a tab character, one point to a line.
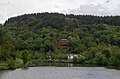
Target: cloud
56	6
101	9
107	1
10	8
3	15
90	9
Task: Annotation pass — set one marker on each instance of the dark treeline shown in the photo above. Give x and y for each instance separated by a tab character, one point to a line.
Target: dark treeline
59	19
29	38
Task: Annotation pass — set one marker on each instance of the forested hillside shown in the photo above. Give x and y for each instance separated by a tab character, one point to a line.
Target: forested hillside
30	37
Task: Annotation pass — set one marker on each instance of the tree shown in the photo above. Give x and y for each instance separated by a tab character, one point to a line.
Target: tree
1	36
104	39
48	46
11	63
80	59
100	59
25	56
115	60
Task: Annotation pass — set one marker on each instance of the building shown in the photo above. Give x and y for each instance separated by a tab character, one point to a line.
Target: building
62	42
71	56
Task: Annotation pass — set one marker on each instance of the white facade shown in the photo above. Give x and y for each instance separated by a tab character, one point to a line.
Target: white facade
71	56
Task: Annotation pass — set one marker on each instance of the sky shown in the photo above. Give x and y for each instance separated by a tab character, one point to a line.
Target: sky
11	8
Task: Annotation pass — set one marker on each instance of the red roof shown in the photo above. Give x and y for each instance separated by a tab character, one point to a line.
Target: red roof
63	42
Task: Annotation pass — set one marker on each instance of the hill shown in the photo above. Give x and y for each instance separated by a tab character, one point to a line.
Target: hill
31	37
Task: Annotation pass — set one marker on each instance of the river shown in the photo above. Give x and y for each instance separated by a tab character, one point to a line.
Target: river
52	72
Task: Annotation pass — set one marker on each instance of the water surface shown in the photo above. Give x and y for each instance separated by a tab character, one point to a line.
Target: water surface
49	72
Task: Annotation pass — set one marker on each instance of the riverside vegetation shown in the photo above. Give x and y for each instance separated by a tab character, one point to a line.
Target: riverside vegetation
29	39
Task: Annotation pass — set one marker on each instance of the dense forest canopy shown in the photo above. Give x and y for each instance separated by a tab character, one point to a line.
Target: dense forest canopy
58	20
96	39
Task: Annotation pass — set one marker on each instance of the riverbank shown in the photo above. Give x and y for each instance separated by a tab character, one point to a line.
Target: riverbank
3	66
56	63
10	65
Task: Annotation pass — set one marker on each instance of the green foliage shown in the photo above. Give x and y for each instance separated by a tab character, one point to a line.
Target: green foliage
1	36
25	56
80	59
100	59
11	63
115	56
34	37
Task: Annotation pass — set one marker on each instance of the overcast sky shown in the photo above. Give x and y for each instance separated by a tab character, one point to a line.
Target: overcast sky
10	8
